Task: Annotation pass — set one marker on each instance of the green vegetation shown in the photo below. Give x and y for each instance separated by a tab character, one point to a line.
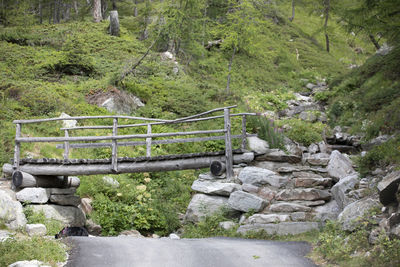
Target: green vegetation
35	248
52	226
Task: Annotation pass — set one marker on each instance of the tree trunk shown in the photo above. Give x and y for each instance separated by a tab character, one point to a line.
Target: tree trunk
229	71
114	23
104	8
293	4
327	8
97	10
374	41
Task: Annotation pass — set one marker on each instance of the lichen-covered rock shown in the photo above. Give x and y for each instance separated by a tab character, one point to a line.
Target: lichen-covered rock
227	225
36	229
353	212
257	145
11	212
288	207
329	211
303	194
258	177
312	182
319	159
268	218
203	205
68	215
243	201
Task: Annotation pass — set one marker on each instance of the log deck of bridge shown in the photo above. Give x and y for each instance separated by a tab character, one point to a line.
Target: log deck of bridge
148	163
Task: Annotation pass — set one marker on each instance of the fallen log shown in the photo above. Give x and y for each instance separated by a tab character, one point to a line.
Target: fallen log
217	168
23	179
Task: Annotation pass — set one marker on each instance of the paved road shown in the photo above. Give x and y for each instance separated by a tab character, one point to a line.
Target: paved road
209	252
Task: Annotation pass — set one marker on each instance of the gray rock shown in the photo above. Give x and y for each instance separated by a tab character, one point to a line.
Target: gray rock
319	159
267	193
292	169
298	216
312	182
33	263
68	215
174	237
86	205
35	195
395	231
227	225
308	116
93	228
36	229
352	212
271	165
68	123
283	228
243	201
203	205
384	50
4	235
339	166
306	174
373	237
258	176
65	200
323	147
303	194
388	188
111	181
214	188
250	188
11	212
257	145
62	191
329	211
288	207
313	148
122	103
279	156
341	189
131	233
310	86
314	203
209	176
268	218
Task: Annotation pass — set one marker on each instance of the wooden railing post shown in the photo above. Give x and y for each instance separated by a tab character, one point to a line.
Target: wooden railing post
148	141
66	146
244	134
17	148
114	156
228	145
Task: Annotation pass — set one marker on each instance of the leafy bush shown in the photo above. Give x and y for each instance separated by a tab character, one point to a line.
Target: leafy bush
52	226
267	130
305	133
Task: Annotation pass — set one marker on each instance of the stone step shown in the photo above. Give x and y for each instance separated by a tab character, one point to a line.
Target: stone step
288	207
309	194
312	182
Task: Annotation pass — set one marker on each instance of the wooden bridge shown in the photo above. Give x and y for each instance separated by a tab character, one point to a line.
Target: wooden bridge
222	160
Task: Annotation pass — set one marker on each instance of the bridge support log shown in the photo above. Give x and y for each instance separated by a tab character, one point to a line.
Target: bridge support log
217	168
23	179
131	167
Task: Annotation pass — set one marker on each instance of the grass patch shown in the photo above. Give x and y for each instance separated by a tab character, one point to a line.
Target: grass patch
52	226
35	248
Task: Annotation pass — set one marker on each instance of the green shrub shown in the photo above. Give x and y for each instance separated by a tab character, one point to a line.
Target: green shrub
303	132
267	130
52	226
35	248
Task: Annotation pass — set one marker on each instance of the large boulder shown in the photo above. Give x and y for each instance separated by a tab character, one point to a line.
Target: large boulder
68	215
203	205
257	145
35	195
319	159
329	211
303	194
258	176
243	201
214	188
283	228
339	166
11	212
388	188
68	123
36	229
350	216
341	189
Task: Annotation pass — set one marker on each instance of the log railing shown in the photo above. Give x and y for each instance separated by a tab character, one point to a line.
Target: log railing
117	140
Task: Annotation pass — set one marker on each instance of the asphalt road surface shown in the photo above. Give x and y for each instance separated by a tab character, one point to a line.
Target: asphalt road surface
164	252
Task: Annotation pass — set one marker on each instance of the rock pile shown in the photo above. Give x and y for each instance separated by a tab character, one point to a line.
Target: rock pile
284	194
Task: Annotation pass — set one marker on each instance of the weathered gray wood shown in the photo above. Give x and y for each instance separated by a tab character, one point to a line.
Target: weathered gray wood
228	145
118	137
202	114
129	167
154	123
155	142
148	142
114	23
217	168
244	134
86	118
114	163
17	146
29	180
66	146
